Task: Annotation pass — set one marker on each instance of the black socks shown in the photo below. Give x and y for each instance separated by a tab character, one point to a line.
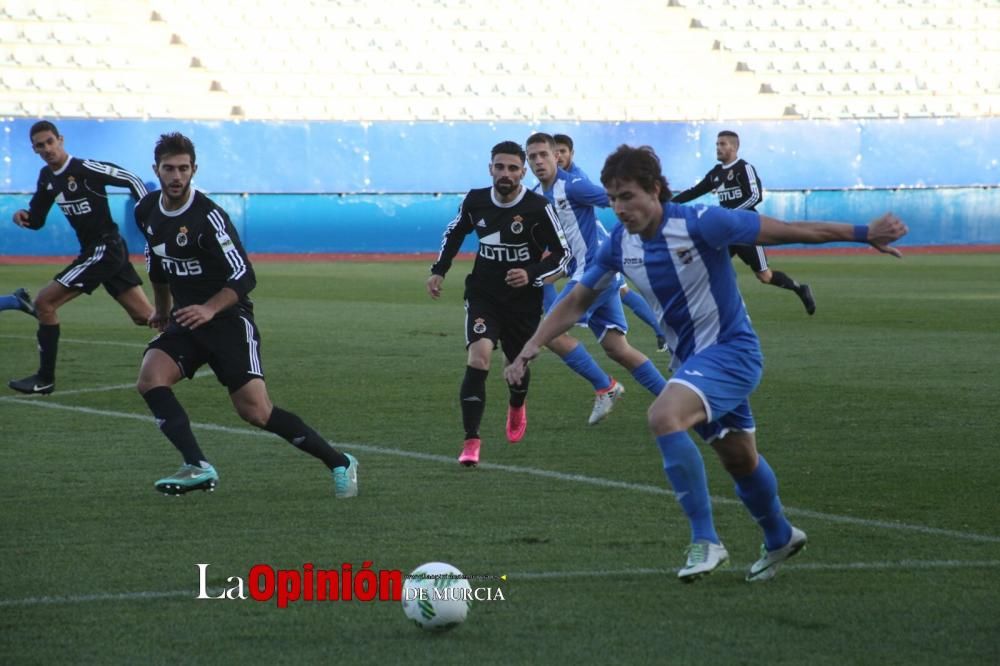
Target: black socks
293	429
174	423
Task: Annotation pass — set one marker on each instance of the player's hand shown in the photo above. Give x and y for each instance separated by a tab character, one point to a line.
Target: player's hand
885	230
158	320
514	372
434	285
517	277
21	218
194	316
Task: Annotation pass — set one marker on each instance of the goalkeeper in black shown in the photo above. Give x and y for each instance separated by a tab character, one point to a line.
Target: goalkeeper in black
520	245
737	185
201	280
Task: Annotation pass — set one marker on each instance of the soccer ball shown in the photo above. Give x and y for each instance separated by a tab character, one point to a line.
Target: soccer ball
436	596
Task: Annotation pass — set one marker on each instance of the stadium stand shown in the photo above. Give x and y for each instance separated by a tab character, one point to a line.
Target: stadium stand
460	60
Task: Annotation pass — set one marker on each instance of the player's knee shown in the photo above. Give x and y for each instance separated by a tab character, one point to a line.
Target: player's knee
617	353
663	421
255	415
562	344
145	384
739	465
45	308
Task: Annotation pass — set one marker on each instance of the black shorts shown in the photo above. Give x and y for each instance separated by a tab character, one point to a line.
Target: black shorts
230	345
752	255
487	319
104	263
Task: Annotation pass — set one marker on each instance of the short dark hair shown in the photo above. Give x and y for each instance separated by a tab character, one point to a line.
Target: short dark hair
564	139
640	165
732	134
508	148
174	143
43	126
541	137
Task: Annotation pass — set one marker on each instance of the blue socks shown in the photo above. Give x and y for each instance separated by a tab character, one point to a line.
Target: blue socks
650	378
686	472
582	363
9	302
641	308
759	493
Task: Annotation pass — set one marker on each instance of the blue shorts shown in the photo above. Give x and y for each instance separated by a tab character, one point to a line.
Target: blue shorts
605	313
723	376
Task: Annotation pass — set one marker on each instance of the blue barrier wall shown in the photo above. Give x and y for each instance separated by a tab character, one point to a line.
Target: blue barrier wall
364	187
296	157
303	223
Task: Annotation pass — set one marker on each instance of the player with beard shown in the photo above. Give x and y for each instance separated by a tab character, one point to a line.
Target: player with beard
201	279
738	187
503	295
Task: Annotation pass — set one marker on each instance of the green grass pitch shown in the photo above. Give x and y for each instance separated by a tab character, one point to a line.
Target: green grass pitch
878	415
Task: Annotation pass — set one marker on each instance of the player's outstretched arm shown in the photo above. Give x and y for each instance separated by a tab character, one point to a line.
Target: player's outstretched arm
559	320
879	233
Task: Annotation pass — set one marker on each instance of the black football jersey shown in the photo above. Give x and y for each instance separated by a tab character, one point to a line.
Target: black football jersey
514	235
79	188
195	250
736	184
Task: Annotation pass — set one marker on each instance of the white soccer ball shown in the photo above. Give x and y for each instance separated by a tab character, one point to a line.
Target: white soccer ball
436	596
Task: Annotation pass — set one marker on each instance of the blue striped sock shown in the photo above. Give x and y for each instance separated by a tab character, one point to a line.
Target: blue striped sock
582	363
686	472
8	302
759	493
649	377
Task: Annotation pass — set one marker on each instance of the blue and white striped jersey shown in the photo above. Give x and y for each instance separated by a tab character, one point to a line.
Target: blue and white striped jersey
574	199
686	275
575	170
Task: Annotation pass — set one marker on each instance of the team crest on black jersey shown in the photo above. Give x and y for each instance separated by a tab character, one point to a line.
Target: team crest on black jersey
516	226
71	184
479	326
182	238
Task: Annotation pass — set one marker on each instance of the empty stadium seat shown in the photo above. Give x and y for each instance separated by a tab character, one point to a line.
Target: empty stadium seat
457	59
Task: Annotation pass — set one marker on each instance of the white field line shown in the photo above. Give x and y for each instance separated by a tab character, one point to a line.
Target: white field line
46	403
76	341
96	389
737	569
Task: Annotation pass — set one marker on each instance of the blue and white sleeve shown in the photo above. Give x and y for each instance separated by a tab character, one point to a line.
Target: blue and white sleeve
721	227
